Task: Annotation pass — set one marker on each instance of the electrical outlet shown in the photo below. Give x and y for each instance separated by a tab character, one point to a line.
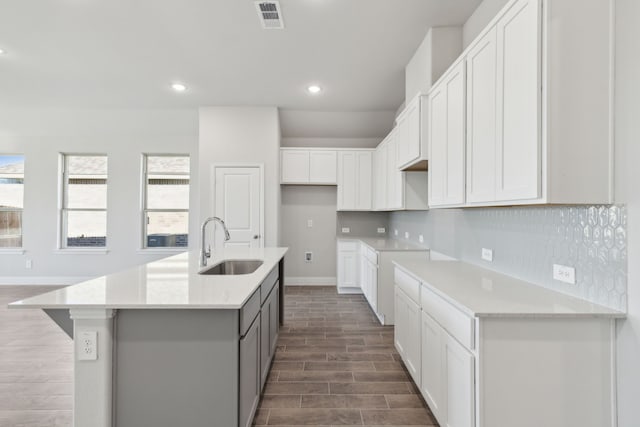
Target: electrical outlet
28	264
309	223
346	230
421	238
564	274
381	230
395	231
487	254
406	234
88	345
308	257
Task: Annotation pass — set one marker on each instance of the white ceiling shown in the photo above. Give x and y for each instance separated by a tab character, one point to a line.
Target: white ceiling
125	53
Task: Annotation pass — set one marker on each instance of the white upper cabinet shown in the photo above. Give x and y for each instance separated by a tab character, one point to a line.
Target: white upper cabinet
518	154
412	144
355	176
395	183
314	166
481	119
380	176
538	108
447	140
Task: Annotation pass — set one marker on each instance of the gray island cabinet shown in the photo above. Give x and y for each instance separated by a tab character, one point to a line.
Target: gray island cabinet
173	347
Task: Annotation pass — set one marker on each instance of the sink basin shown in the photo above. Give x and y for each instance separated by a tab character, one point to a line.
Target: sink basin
233	267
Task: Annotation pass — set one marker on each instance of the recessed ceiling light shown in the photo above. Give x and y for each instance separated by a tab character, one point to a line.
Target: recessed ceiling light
314	89
178	87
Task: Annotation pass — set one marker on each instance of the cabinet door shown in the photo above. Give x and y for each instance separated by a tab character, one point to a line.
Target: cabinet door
347	178
518	151
412	136
432	376
459	371
481	119
323	167
347	269
380	176
294	166
412	340
372	277
395	181
447	139
274	320
399	327
249	374
364	188
402	141
265	342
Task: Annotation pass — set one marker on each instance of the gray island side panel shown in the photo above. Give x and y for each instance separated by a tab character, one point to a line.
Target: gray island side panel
176	368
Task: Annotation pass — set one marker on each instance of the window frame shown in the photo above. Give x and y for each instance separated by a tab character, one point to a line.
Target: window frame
63	187
16	249
144	210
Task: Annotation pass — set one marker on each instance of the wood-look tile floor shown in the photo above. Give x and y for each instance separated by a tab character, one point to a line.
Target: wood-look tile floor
36	365
336	365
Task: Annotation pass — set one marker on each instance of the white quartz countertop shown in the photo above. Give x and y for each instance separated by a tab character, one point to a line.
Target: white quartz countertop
386	244
168	283
484	293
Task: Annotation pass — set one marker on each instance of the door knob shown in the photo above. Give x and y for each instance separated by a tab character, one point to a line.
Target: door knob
256	237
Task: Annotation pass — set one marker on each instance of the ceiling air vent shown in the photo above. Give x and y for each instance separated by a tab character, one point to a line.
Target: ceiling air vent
270	15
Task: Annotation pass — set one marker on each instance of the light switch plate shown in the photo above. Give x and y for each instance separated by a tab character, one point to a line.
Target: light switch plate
346	230
406	234
487	254
421	238
564	274
395	232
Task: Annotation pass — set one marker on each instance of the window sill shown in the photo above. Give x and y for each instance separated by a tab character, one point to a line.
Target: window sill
172	251
81	251
12	251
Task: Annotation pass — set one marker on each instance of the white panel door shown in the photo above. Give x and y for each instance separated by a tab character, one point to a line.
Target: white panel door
459	370
481	119
238	201
348	267
294	166
323	167
518	151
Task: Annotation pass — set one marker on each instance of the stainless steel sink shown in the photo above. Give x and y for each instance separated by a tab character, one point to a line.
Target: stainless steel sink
233	267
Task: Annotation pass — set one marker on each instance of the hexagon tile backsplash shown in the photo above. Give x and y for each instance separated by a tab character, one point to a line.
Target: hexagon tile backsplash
527	241
592	239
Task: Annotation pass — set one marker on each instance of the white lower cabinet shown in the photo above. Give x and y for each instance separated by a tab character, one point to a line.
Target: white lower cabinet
348	267
250	370
432	386
408	340
458	369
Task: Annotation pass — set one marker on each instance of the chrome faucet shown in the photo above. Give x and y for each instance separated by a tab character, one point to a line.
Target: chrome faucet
206	253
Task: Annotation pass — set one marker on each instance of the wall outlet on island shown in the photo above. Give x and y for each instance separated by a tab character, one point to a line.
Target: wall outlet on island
87	345
381	230
564	274
487	254
346	230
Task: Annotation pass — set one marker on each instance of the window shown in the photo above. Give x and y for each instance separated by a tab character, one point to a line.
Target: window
84	201
11	200
165	201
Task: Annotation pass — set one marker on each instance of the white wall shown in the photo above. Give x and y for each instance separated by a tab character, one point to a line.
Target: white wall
627	130
483	14
41	134
242	135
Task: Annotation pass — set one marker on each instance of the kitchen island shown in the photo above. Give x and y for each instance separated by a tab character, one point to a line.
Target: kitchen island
167	344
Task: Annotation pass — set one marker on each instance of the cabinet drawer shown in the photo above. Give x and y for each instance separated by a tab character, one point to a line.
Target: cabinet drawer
268	284
347	245
409	284
249	311
456	323
370	254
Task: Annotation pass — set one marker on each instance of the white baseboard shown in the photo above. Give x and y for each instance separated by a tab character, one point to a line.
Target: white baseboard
310	281
45	280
